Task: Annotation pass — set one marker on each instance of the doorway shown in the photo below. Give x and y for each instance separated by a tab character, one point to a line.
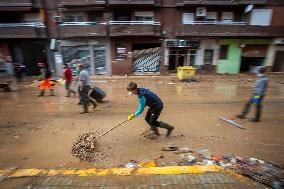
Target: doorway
248	62
29	54
100	59
278	65
181	57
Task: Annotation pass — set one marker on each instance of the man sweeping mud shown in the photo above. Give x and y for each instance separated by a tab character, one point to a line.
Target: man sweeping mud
155	104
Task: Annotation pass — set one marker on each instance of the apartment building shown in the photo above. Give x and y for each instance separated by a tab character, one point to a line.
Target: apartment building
144	36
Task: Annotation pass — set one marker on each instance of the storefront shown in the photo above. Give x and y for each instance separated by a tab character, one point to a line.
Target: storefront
94	54
241	55
179	52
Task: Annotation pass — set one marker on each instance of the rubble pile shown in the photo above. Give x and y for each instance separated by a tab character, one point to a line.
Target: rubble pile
85	148
258	170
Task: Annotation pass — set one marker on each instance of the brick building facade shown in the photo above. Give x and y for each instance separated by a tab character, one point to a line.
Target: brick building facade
143	36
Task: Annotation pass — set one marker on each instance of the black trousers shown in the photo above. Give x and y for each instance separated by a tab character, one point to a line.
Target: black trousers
153	115
258	107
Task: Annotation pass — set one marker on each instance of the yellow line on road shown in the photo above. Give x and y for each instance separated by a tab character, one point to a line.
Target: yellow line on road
197	169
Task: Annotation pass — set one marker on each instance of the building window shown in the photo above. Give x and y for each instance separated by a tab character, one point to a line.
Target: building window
261	17
227	17
223	52
144	16
187	18
208	57
121	52
211	16
32	17
95	16
192	56
74	17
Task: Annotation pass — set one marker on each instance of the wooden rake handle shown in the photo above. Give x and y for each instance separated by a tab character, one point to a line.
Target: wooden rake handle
101	135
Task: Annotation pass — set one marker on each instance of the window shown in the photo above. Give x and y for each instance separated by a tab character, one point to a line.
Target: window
261	17
144	16
227	17
74	17
211	16
121	52
95	16
223	52
208	57
192	56
32	17
187	18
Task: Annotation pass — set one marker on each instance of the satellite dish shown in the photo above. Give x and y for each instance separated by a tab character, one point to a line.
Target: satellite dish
248	8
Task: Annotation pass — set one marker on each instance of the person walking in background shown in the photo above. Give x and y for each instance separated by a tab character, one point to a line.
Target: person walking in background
45	81
85	87
257	97
68	80
18	72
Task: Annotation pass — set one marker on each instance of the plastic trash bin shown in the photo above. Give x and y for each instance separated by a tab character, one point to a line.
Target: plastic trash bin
185	72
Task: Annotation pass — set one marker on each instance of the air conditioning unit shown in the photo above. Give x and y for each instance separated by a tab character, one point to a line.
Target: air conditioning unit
57	19
200	11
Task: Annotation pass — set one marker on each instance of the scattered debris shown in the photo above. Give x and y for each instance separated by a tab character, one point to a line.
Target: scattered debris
170	148
149	134
131	165
185	150
25	158
188	158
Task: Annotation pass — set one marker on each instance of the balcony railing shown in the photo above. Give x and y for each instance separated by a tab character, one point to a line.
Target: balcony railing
229	30
22	30
134	23
219	2
19	4
81	2
134	2
83	29
224	22
135	28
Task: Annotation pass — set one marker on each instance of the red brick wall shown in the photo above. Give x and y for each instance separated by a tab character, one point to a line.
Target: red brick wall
277	16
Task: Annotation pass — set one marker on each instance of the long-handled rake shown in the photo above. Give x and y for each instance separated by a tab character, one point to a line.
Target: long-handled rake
106	132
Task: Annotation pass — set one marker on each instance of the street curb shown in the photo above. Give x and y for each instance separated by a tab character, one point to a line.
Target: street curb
169	170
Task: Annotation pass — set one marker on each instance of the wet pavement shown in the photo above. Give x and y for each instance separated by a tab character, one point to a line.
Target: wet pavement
39	132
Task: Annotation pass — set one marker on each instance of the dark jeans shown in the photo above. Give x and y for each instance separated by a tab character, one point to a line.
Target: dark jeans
153	115
258	107
84	94
84	97
79	94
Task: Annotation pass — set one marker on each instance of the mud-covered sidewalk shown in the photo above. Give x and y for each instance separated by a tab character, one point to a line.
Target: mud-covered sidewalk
39	132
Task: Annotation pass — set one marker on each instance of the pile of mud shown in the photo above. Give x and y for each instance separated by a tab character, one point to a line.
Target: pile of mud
85	148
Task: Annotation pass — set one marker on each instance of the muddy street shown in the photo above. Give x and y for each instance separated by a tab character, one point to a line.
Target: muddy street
39	132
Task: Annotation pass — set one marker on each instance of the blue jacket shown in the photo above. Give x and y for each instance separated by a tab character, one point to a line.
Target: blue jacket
260	86
147	98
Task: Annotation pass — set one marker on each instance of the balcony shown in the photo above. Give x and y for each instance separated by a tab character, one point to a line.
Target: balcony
22	30
135	2
219	2
134	28
234	29
66	3
19	4
83	29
